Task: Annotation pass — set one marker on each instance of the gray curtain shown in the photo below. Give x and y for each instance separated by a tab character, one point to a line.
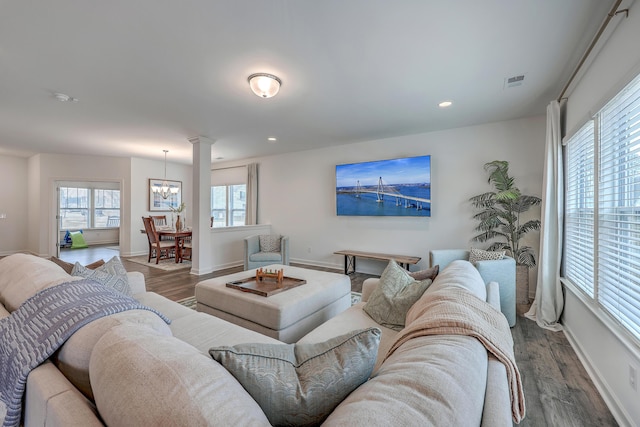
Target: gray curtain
252	194
549	301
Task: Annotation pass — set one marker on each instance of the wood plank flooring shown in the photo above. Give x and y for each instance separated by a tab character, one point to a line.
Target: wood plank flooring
558	391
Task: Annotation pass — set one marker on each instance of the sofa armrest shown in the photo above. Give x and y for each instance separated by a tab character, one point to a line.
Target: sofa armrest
284	249
497	402
251	246
136	282
502	271
51	400
368	286
493	294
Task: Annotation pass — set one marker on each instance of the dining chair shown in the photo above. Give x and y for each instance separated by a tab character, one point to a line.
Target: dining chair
159	219
186	249
158	249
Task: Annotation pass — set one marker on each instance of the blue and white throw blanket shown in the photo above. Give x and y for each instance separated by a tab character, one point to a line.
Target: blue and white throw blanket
41	325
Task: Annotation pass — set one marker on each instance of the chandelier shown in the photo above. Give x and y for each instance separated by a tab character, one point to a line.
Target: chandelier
165	190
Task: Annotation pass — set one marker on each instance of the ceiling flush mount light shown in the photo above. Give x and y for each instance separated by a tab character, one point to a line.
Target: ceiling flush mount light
264	85
445	104
272	139
165	190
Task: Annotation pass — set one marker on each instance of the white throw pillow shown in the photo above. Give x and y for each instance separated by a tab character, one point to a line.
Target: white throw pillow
112	274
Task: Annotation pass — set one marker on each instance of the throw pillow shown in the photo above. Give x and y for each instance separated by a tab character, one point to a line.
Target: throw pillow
77	240
396	292
112	274
429	273
269	243
68	267
301	384
476	255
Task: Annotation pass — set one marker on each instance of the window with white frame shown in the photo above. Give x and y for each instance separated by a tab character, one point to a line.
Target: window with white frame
602	232
228	205
88	206
229	197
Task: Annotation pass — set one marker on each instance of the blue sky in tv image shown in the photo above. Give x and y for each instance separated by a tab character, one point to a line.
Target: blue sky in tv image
396	187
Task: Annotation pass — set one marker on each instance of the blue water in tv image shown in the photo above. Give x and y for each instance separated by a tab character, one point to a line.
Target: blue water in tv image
396	187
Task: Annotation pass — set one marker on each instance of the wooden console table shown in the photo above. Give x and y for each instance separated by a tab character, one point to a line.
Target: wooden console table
350	259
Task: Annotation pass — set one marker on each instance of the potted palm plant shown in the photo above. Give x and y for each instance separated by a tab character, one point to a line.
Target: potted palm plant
499	215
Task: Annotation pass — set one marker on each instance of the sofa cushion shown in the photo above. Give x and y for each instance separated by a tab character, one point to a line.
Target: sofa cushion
141	378
300	384
438	380
476	255
461	274
274	257
23	275
394	296
72	359
112	275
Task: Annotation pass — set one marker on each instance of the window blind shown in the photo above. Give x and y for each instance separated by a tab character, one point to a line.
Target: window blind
580	209
618	289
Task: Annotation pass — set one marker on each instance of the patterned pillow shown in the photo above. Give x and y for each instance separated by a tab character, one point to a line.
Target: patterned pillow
269	243
301	384
429	273
476	255
396	292
112	274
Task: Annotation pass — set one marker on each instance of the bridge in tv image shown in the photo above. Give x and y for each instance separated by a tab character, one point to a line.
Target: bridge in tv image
383	189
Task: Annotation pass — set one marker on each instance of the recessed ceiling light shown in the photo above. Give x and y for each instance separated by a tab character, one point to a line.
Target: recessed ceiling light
272	139
63	97
445	104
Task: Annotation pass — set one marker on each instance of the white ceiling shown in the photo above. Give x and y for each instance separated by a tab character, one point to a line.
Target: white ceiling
149	74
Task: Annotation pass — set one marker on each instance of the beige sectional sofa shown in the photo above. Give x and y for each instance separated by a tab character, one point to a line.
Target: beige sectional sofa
133	369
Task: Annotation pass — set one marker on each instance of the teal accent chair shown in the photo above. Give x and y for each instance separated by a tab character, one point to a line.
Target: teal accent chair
254	258
502	271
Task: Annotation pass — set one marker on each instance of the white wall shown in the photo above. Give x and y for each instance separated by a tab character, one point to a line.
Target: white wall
603	347
297	192
13	205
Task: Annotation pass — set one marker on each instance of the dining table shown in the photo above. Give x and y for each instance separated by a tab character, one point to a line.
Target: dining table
177	236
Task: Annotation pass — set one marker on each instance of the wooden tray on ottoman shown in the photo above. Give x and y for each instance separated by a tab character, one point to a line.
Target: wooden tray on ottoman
265	287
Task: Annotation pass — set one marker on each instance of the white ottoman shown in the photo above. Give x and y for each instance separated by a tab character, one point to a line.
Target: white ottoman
286	316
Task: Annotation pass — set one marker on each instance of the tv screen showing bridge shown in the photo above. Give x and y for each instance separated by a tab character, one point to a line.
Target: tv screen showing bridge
397	187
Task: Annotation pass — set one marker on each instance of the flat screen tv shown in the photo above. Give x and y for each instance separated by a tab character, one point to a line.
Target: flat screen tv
395	187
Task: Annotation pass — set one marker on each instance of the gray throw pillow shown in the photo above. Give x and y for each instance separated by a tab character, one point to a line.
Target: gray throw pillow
301	384
269	243
396	292
111	274
476	255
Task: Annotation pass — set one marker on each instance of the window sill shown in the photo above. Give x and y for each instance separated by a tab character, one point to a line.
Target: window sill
240	228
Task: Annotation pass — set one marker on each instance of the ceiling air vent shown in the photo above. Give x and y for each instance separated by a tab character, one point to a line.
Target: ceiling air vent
514	81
